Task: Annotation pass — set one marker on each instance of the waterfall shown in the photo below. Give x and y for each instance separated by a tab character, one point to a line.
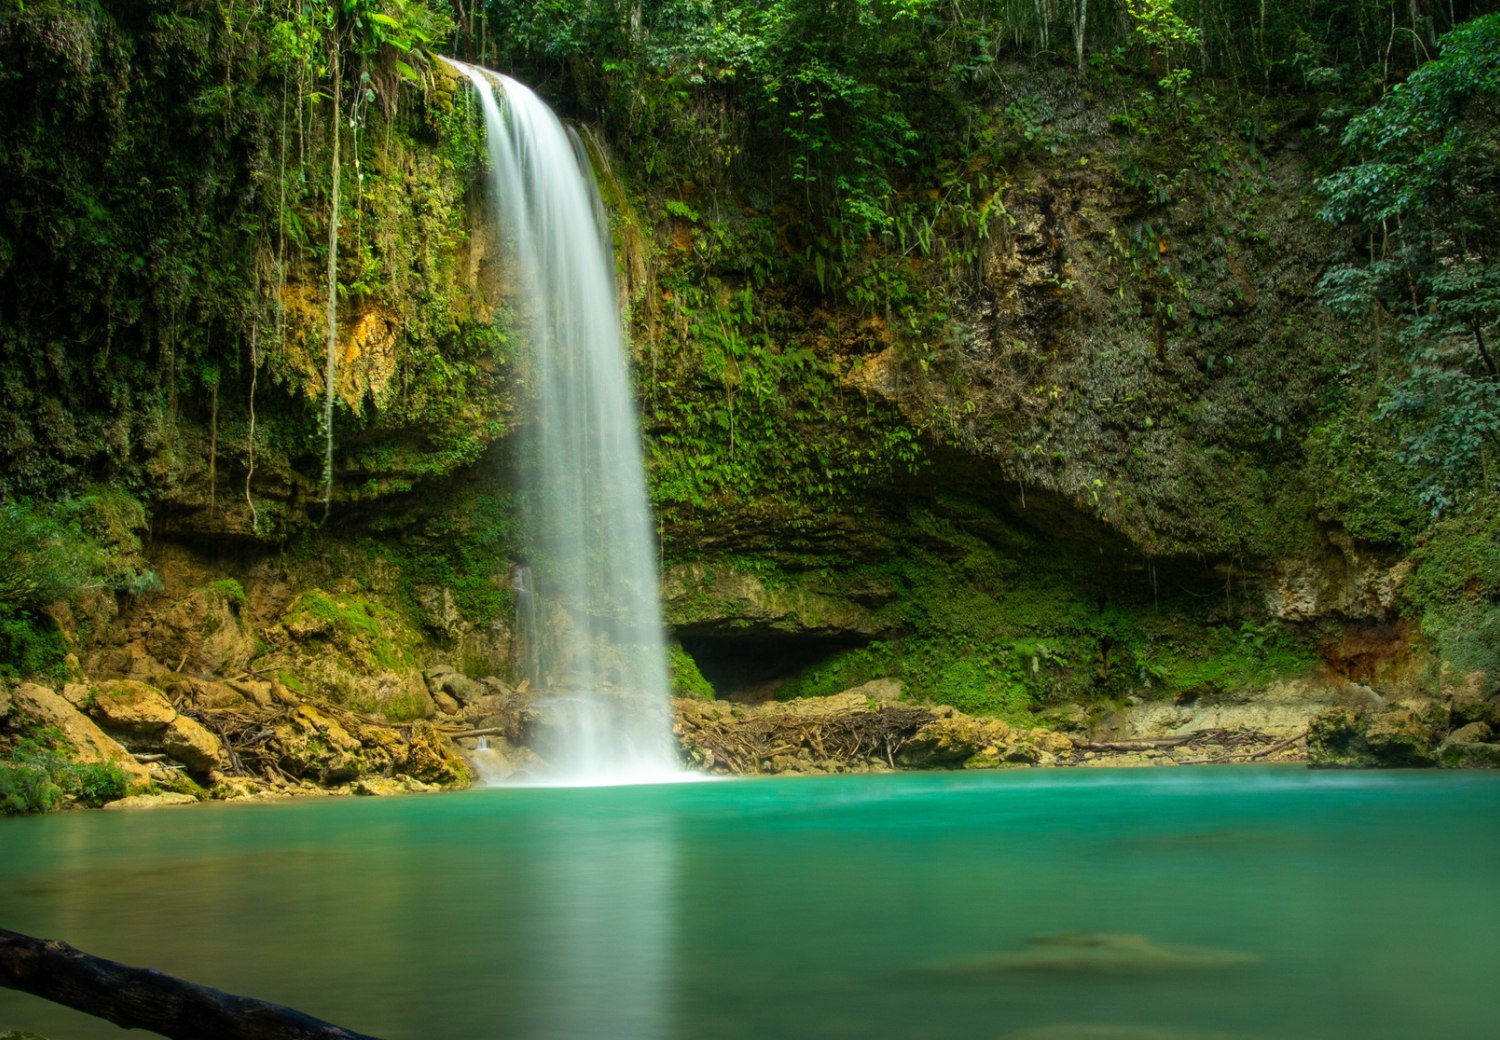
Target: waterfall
590	590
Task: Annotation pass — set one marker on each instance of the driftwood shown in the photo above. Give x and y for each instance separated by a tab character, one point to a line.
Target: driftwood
139	998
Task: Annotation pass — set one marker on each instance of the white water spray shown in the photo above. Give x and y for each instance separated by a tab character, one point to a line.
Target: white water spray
591	589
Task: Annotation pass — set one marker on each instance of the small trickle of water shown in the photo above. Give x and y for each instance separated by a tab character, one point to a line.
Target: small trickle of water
589	602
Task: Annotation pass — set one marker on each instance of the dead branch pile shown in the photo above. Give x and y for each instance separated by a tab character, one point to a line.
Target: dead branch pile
1227	745
750	743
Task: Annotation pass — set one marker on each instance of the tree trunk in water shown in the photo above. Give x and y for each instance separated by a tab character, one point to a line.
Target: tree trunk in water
139	998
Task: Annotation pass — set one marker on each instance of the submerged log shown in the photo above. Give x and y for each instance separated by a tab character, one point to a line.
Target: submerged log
140	998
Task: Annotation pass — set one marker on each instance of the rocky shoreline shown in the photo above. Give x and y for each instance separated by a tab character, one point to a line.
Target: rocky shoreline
184	738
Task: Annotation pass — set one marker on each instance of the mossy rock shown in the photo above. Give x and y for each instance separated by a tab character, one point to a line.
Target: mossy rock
1336	740
363	630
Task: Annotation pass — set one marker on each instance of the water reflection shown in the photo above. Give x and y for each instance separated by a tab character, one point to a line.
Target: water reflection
600	931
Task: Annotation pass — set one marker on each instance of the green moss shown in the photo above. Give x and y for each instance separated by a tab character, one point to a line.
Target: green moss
1213	661
687	680
404	707
232	591
368	632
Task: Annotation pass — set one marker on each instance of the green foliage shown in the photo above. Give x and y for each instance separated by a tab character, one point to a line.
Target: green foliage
62	551
40	776
687	680
1360	483
1421	189
1455	587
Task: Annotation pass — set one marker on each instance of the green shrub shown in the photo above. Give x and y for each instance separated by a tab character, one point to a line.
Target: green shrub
40	776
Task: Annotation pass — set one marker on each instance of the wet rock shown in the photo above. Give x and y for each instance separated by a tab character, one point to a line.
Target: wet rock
1470	756
1336	740
1102	1031
721	595
1470	747
44	707
131	707
160	800
1098	953
380	786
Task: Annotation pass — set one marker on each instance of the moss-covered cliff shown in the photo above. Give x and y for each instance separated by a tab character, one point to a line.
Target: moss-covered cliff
967	359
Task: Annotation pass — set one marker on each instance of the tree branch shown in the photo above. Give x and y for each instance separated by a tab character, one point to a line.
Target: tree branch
139	998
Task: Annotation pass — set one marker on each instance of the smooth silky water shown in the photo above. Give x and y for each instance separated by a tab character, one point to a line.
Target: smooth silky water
798	907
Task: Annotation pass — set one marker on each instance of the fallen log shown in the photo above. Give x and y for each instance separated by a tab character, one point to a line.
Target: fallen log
140	998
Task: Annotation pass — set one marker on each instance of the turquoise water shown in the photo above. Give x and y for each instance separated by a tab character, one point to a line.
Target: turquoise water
799	907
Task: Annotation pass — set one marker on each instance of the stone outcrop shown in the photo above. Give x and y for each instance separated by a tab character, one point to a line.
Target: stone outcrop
44	707
1408	734
722	597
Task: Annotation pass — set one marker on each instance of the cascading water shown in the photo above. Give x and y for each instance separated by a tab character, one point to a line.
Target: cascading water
591	588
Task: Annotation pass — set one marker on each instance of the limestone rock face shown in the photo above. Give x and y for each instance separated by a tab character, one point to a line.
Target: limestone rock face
91	744
708	596
205	631
1408	734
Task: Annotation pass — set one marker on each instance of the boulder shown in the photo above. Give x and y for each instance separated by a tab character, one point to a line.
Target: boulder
1402	737
1470	756
460	687
315	746
194	746
881	691
951	741
1336	740
131	707
90	744
78	694
445	704
5	701
432	759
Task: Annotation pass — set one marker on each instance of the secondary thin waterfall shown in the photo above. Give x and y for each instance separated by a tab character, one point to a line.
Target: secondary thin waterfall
592	588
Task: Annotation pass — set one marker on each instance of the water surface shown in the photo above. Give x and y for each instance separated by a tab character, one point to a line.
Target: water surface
797	908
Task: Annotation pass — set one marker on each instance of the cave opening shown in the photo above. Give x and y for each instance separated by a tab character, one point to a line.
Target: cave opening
749	667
